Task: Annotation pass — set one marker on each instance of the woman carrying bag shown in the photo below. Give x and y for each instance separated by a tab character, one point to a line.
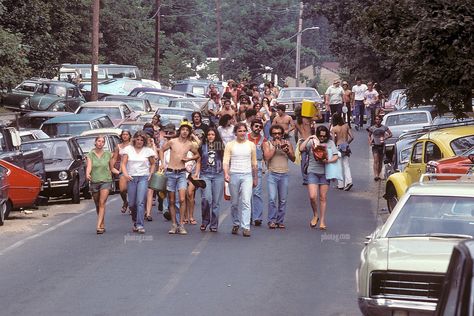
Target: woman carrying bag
322	151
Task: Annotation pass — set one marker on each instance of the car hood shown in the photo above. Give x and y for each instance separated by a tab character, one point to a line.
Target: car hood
427	254
42	101
57	165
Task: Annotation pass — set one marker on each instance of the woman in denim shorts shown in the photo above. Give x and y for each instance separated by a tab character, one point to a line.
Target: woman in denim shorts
317	182
99	172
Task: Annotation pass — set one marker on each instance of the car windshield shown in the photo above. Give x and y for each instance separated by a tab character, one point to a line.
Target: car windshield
27	87
53	150
434	215
300	93
88	143
159	99
136	105
53	89
113	113
462	144
406	119
59	129
188	104
133	128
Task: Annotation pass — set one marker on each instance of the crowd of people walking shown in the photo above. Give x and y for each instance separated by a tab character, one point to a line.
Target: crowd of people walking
247	147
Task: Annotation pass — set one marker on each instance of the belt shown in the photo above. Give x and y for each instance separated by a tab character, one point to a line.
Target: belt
175	170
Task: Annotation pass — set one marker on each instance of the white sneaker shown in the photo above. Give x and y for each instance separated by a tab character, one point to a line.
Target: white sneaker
173	229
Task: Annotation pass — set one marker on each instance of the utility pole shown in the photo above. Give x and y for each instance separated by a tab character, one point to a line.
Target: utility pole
219	48
156	69
298	45
95	49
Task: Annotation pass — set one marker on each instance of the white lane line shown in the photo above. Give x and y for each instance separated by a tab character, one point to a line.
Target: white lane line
177	276
46	231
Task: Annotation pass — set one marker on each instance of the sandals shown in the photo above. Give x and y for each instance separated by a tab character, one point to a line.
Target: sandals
280	225
203	227
322	227
149	218
124	208
272	225
100	231
235	230
313	225
193	222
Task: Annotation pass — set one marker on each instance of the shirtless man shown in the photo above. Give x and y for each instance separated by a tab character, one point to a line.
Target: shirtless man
284	120
176	173
226	109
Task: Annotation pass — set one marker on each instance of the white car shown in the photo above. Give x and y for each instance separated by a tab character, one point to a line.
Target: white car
404	262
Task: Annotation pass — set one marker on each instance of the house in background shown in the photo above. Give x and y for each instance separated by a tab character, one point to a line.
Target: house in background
327	72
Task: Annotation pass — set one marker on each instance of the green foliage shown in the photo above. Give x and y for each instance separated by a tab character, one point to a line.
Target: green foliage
423	45
13	63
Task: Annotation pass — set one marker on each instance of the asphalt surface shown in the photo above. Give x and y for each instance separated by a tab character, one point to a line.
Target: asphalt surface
59	266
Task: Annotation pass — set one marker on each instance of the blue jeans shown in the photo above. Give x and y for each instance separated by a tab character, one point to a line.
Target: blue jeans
277	194
211	198
257	199
240	186
359	111
137	192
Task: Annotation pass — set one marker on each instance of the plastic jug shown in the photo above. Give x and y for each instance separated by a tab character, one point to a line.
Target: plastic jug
309	108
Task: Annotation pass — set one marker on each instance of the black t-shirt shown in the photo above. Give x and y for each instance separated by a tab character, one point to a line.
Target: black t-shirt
201	130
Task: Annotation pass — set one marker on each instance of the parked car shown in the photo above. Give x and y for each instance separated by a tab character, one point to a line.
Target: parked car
457	295
462	164
450	118
132	126
196	87
35	119
119	86
75	124
434	145
31	134
55	96
17	99
389	105
138	105
404	121
160	99
397	159
117	111
174	115
21	188
65	167
293	97
195	104
404	261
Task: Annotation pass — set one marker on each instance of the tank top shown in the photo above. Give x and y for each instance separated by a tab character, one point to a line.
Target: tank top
279	161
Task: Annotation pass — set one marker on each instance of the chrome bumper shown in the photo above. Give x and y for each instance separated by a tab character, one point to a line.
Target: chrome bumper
383	306
56	184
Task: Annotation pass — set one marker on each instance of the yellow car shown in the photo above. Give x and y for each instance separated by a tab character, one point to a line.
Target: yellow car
435	145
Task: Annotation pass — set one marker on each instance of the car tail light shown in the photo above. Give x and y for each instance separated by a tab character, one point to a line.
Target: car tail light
432	167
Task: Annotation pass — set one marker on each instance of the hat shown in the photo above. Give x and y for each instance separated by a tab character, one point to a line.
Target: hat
185	124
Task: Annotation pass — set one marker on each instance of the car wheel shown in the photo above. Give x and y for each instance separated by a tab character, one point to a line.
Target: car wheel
3	208
6	209
76	192
391	196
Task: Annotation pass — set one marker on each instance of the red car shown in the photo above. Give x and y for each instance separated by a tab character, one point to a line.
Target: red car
462	164
21	187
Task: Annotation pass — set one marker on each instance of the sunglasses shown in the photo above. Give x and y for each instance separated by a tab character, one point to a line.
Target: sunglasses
276	133
258	126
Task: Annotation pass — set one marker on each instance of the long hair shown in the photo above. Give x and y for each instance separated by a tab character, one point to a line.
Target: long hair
224	120
218	143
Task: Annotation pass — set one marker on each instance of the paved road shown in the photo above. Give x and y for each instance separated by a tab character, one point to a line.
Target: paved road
62	267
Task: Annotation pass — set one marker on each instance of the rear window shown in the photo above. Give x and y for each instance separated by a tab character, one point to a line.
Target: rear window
287	94
105	122
65	129
407	119
113	113
462	144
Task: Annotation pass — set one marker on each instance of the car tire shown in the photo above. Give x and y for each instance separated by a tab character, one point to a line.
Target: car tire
391	197
75	192
86	193
6	208
3	208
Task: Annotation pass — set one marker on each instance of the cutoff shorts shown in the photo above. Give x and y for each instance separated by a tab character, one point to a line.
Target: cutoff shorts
317	178
176	181
95	187
378	150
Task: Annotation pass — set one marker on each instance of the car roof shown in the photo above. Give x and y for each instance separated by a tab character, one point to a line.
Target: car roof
443	188
46	114
52	139
189	99
75	118
407	111
59	83
298	88
102	131
148	89
448	134
174	109
94	104
118	97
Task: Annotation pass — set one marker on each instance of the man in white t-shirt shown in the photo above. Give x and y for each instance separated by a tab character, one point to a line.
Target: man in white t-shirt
357	103
333	97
